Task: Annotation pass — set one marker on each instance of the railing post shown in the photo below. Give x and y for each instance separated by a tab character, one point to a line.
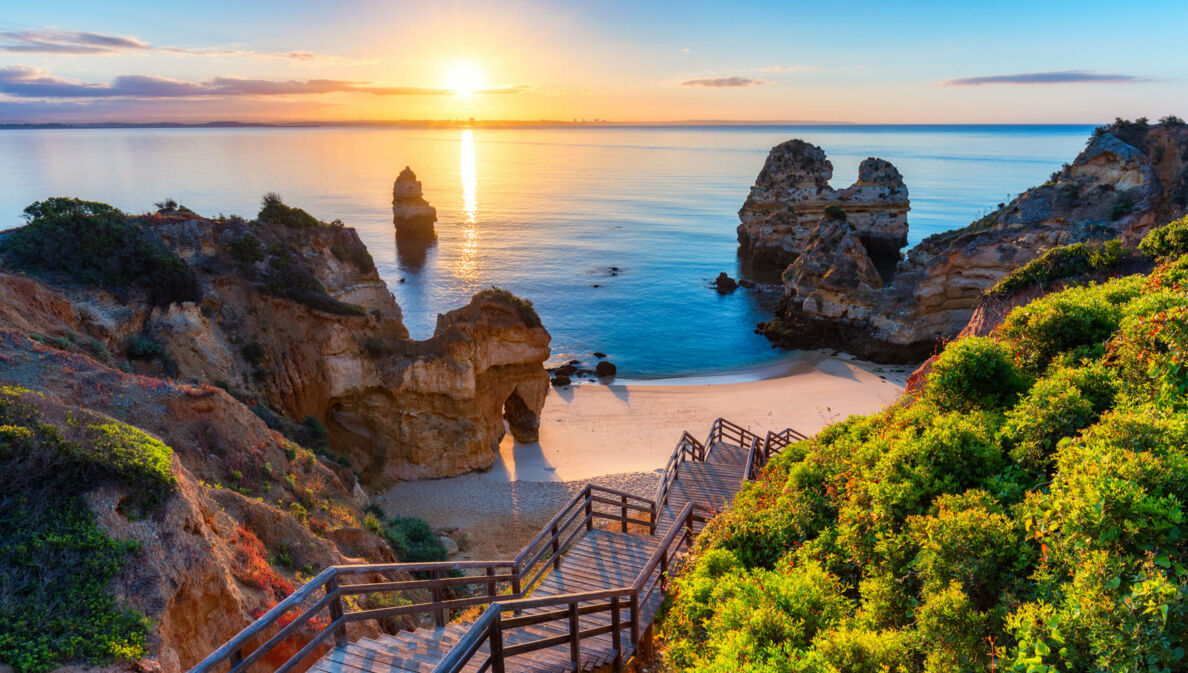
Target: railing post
556	545
236	658
496	638
634	617
575	644
589	512
340	637
623	507
517	574
652	520
689	529
616	635
490	584
663	572
440	614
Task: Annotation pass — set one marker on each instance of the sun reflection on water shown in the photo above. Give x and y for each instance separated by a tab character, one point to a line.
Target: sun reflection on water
467	265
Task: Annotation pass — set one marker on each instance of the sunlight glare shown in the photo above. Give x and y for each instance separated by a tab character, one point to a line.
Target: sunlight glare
468	264
464	79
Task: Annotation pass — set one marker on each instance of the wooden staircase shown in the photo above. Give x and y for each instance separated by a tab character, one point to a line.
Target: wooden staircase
578	597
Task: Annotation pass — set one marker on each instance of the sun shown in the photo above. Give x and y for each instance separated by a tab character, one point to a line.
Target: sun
464	79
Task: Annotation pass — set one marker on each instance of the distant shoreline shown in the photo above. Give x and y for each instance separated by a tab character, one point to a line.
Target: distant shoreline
505	124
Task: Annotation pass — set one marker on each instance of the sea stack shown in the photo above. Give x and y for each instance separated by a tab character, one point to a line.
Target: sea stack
411	213
792	194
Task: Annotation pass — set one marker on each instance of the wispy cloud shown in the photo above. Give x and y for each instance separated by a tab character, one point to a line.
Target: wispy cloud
1054	77
25	82
715	82
74	42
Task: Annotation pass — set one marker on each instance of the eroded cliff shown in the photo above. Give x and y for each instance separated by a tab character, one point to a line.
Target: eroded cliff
1130	176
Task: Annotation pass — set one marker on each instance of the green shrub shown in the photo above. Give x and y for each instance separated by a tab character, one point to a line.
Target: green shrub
141	347
1078	320
56	564
274	211
523	307
1057	407
951	633
95	244
975	373
1170	240
412	540
835	213
246	251
288	278
1062	263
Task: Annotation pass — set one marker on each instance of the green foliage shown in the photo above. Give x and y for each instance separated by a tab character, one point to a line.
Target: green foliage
1063	263
246	250
274	211
95	244
288	277
835	213
412	540
992	521
1121	208
1077	321
1170	240
975	373
523	307
141	347
56	564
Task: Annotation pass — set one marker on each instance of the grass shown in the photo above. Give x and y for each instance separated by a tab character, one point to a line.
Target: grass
56	564
1066	262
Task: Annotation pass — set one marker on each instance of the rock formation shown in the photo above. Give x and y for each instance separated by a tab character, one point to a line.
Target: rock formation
334	350
1129	177
792	193
411	213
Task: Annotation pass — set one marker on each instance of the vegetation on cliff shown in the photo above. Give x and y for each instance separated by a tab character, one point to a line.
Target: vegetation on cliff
1024	511
95	244
55	562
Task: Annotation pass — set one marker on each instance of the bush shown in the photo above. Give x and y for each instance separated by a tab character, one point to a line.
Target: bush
1078	320
523	307
1170	240
412	540
95	244
1057	407
975	373
1062	263
246	251
141	347
274	211
56	564
835	213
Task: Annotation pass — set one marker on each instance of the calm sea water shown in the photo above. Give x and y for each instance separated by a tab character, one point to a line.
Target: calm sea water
543	212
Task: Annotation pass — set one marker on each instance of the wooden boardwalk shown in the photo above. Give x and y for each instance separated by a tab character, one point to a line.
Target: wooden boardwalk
597	560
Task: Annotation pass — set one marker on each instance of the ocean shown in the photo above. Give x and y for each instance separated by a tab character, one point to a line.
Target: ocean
614	233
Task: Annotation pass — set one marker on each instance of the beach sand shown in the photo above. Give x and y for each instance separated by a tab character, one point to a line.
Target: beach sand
621	435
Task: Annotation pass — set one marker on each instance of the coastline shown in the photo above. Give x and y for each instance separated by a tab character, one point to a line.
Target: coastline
621	434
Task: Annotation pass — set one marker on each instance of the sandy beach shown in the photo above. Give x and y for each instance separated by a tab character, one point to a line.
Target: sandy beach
621	434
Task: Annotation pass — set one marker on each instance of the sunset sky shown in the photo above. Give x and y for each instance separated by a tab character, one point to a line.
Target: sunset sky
922	62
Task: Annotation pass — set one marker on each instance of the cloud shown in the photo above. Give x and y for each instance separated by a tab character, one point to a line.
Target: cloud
25	82
779	68
1054	77
716	82
51	41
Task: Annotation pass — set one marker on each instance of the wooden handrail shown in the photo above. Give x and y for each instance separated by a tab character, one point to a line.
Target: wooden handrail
554	537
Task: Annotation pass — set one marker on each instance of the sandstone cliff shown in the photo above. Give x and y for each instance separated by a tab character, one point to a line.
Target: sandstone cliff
792	193
1129	177
297	318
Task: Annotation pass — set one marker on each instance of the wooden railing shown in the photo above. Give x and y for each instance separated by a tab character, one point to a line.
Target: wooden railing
323	607
492	626
763	449
326	605
689	448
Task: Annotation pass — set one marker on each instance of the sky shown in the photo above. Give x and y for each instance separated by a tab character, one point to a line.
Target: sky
857	61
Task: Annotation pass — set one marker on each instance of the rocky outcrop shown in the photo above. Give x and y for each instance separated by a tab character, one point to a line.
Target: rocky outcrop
792	193
411	213
1129	177
336	352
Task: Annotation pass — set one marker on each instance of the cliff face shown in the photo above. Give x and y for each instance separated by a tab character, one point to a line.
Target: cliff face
1128	178
411	213
300	320
792	193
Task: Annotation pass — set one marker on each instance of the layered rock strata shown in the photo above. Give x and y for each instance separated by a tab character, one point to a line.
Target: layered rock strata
1129	177
792	193
411	213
